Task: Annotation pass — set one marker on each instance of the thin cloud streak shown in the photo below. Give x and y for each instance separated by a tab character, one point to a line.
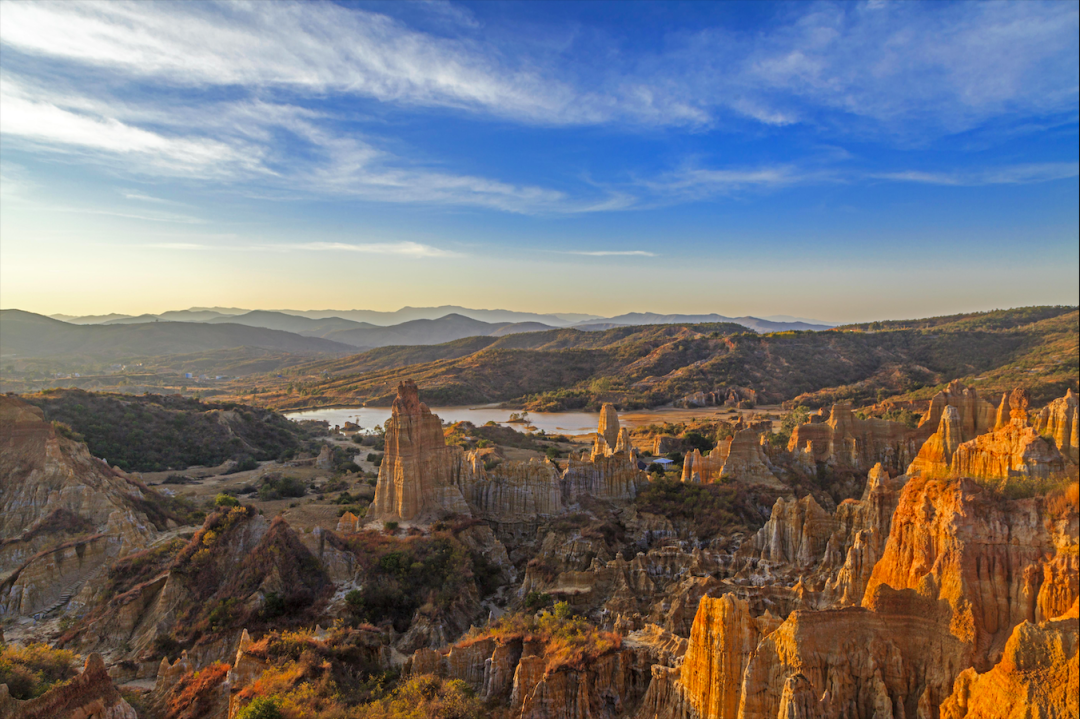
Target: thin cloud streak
609	253
405	248
1022	174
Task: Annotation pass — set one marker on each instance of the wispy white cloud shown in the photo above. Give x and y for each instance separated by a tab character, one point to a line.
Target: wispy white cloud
693	182
44	124
246	147
142	197
611	253
177	246
306	47
1021	174
253	78
947	66
147	216
403	248
410	249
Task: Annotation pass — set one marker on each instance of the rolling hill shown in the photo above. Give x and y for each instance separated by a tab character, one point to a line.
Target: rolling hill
753	323
25	334
292	323
657	364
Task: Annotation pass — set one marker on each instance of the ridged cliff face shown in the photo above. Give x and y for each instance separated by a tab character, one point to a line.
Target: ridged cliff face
845	440
1038	675
1061	420
416	478
976	415
513	492
609	472
795	536
738	458
64	515
722	639
422	479
42	473
982	560
827	556
91	695
517	672
1015	449
961	571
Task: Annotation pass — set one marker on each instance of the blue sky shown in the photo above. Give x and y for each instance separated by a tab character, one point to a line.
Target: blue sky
839	161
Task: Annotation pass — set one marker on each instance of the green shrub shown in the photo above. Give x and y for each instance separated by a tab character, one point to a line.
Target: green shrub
225	500
280	488
537	600
261	708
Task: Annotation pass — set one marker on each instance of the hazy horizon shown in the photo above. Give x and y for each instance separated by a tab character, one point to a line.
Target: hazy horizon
778	317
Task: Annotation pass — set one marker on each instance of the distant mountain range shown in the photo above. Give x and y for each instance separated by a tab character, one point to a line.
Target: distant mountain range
280	319
25	334
372	317
200	329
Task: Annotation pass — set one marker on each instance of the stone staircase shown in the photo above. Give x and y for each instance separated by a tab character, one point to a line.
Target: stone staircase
59	604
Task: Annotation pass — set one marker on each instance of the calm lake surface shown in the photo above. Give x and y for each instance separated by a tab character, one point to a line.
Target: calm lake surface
550	422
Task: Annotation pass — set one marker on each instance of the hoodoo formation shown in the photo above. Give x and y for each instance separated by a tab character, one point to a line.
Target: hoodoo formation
421	479
860	568
417	478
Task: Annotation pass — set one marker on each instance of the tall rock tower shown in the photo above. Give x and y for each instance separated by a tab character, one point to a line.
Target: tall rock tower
418	471
609	424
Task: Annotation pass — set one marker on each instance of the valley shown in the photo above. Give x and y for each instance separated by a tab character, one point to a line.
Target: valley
726	557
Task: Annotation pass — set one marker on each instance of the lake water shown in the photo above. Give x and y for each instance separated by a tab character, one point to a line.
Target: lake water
550	422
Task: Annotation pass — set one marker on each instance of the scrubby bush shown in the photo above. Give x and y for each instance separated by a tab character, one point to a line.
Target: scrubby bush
708	509
31	670
404	573
275	487
537	600
261	708
225	500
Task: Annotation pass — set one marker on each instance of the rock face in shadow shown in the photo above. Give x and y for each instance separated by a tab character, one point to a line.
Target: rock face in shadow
42	473
91	695
64	515
515	671
416	477
513	492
